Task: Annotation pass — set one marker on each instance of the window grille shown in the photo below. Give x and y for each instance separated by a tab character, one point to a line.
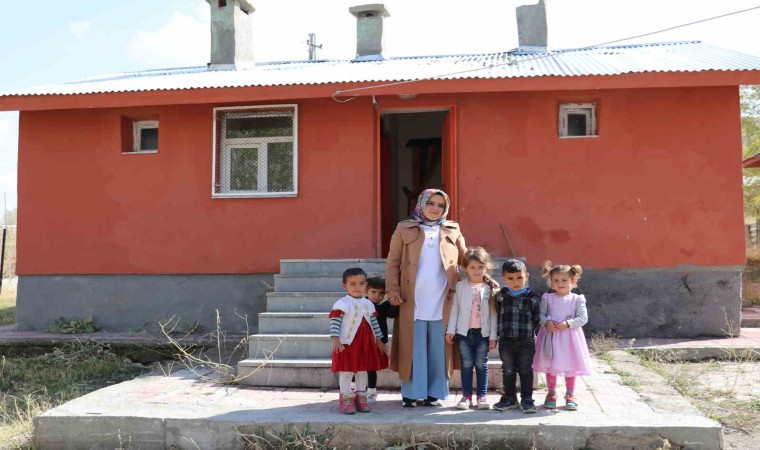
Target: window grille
577	119
255	151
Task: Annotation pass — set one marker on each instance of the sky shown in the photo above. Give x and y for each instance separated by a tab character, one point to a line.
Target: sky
49	41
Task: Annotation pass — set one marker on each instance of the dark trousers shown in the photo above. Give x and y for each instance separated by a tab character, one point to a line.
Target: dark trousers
371	379
517	358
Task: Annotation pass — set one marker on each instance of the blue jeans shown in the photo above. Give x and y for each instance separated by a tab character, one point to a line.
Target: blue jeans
474	351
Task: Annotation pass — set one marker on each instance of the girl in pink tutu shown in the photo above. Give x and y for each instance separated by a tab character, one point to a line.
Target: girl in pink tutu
561	346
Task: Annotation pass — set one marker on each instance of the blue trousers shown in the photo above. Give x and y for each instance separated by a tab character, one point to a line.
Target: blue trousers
428	362
474	351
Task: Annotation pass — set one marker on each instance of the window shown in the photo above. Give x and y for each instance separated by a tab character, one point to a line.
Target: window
577	119
145	136
255	151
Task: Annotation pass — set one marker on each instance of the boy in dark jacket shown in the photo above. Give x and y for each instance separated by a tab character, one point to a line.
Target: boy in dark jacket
518	310
376	294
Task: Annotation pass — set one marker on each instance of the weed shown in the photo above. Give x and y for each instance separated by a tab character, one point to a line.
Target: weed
602	343
221	366
73	326
290	438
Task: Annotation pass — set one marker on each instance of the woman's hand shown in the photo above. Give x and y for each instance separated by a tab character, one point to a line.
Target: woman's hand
381	346
449	338
492	345
562	326
396	300
337	346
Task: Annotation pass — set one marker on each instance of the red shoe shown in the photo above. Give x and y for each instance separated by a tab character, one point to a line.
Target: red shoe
551	401
346	404
360	401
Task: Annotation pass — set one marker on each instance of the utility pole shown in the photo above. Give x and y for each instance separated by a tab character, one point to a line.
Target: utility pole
312	43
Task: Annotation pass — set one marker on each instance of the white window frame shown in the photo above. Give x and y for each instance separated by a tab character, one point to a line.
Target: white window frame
228	144
587	109
137	127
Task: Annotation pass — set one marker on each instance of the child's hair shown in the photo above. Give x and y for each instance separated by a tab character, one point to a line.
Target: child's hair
353	272
377	282
513	266
574	271
480	255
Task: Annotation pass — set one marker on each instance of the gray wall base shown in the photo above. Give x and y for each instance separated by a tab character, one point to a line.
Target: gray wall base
139	302
661	302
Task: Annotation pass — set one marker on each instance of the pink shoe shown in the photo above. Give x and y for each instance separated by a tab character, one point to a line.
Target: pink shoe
361	402
346	404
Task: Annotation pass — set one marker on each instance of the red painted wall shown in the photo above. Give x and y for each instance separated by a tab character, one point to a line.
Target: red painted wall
660	186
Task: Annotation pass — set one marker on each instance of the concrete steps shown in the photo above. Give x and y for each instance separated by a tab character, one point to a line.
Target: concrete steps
293	346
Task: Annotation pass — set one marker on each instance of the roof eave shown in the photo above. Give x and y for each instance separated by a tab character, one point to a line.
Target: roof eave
303	91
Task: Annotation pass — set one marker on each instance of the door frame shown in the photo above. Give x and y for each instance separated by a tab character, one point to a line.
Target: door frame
449	179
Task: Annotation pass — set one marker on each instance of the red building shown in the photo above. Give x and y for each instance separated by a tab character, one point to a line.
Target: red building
179	191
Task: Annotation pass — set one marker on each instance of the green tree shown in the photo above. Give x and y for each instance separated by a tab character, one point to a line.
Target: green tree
750	109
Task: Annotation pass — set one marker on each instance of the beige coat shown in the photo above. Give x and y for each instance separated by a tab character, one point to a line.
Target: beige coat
400	278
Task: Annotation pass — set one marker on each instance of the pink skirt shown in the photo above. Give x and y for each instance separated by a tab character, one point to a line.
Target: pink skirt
569	353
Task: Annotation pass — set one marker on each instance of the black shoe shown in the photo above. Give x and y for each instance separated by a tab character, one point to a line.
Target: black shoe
505	404
408	402
431	401
528	406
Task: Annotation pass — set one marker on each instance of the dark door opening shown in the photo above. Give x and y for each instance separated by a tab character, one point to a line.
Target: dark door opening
413	156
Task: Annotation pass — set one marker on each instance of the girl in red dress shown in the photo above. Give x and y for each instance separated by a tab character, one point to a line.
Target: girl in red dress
357	342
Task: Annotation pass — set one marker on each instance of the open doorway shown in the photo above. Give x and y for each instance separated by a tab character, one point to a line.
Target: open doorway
415	152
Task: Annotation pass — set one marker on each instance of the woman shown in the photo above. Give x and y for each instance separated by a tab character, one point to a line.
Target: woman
421	274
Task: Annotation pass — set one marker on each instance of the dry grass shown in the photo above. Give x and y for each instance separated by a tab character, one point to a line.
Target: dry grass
31	385
8	304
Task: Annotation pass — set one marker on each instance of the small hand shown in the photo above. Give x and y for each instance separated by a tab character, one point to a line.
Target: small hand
562	326
449	338
381	346
337	346
396	300
492	345
551	326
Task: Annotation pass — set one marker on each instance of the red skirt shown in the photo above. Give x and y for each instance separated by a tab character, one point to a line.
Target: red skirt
361	355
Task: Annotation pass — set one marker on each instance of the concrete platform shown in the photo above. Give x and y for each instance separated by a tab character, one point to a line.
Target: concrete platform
183	412
751	317
745	346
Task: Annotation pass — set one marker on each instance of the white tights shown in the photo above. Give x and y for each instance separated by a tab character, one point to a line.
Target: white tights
344	378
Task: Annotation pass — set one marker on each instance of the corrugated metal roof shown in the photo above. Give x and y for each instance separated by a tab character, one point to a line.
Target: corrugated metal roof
691	56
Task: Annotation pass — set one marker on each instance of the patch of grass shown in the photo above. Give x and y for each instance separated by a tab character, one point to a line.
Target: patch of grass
31	385
290	438
8	305
73	326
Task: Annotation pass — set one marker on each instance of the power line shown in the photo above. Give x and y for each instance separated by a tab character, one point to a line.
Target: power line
537	57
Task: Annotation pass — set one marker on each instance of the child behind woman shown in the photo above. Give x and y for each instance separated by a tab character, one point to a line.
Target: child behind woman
376	294
357	342
561	346
473	321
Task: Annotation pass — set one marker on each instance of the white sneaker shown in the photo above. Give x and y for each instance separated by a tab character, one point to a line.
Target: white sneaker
465	403
483	403
371	396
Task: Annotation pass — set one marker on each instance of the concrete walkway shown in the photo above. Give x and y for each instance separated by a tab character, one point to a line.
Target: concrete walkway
746	346
183	412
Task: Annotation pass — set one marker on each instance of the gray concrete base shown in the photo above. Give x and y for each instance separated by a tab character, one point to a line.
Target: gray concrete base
661	302
139	302
183	412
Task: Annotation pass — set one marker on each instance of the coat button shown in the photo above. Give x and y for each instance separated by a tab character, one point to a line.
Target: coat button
451	262
407	281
